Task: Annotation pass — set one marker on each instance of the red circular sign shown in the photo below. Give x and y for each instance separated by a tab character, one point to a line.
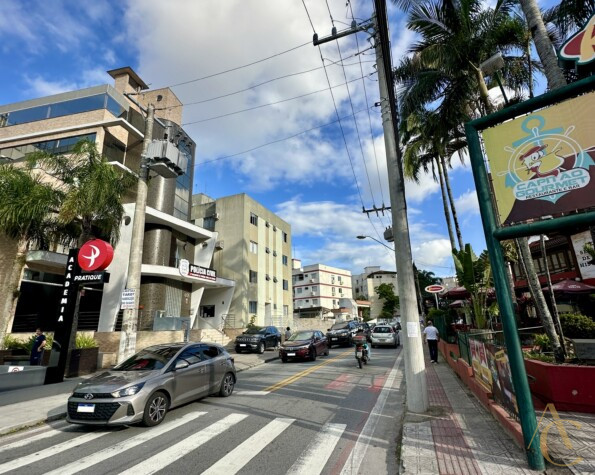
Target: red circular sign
95	255
434	289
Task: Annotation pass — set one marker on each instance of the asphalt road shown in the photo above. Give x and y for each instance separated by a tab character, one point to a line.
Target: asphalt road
326	416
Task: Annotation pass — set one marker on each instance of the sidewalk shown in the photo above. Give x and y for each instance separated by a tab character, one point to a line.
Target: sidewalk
459	436
31	406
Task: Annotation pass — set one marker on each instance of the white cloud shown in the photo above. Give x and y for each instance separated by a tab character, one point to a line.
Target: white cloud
467	203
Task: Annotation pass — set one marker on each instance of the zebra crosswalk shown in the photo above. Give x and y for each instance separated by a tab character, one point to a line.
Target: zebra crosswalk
91	452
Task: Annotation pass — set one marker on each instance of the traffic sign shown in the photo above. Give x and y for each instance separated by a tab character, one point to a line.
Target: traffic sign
434	289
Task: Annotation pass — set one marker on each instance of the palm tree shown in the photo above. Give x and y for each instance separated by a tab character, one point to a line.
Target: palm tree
27	205
569	15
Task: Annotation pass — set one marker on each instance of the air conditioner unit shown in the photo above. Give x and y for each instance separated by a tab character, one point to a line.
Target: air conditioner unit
275	279
267	224
268	251
275	253
274	228
268	278
215	216
219	244
311	280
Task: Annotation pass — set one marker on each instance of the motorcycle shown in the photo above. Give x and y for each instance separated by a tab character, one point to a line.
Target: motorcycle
361	354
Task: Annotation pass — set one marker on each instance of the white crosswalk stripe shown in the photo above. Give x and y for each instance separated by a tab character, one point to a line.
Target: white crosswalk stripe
235	460
105	454
165	457
50	451
314	458
34	438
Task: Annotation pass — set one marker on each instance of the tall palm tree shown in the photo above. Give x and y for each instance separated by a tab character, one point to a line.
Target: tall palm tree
569	15
27	205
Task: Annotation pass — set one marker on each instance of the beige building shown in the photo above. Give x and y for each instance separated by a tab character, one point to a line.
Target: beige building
254	250
112	116
319	289
365	283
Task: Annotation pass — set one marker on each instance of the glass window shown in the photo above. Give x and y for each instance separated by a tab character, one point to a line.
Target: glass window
252	306
253	247
285	310
284	236
155	357
27	115
253	219
253	276
192	355
76	106
299	290
284	260
285	285
315	301
208	223
314	288
208	352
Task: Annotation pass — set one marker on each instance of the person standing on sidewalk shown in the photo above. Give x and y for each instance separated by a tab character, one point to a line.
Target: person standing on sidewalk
431	335
37	350
287	333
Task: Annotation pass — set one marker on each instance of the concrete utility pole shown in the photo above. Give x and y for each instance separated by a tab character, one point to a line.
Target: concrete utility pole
415	368
130	318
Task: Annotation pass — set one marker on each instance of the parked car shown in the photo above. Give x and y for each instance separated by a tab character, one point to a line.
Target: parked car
341	334
304	344
150	383
258	339
384	335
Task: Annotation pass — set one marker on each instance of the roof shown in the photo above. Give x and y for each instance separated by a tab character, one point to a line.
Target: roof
382	272
128	70
550	243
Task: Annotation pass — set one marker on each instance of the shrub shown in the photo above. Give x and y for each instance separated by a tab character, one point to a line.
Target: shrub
12	343
85	341
575	325
542	340
531	355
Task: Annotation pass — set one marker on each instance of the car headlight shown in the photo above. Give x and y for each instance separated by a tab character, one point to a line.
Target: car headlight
129	391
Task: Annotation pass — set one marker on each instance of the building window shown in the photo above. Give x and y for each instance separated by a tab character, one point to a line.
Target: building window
340	290
284	236
285	310
285	285
314	288
253	276
208	223
284	260
299	290
253	219
315	301
253	247
252	306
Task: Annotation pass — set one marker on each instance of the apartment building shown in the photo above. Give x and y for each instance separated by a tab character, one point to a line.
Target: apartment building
319	289
365	283
113	117
254	250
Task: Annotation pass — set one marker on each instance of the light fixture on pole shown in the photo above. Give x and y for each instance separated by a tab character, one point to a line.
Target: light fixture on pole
374	239
490	67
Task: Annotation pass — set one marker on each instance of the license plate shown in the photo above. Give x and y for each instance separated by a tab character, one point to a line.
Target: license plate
290	354
86	408
359	354
242	344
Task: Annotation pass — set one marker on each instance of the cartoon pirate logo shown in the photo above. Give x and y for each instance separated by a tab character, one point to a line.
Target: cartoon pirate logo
541	163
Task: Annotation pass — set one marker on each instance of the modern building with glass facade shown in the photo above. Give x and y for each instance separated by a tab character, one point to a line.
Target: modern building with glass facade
113	116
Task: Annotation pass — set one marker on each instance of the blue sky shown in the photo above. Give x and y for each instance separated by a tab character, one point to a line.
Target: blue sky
50	46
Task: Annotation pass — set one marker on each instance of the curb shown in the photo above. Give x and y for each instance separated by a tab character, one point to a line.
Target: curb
62	415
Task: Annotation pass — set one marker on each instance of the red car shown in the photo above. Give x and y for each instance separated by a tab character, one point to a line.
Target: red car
304	344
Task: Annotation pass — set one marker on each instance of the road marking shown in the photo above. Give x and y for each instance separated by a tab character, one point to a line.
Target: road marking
175	452
105	454
306	372
251	393
314	458
50	451
353	463
235	460
341	382
39	436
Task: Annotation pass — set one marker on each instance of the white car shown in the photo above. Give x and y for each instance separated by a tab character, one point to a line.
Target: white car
384	335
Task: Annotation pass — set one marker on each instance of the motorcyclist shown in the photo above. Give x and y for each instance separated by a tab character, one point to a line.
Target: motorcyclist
362	343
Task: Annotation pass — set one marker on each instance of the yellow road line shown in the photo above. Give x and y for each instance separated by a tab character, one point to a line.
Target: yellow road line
306	372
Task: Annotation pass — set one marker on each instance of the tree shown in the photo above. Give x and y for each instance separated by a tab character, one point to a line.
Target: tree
75	197
391	301
27	205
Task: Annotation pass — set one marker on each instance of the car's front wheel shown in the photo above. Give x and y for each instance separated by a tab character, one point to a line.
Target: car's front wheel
227	385
313	354
261	348
155	409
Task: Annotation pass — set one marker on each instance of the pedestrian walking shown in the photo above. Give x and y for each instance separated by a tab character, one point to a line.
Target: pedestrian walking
37	350
287	333
432	336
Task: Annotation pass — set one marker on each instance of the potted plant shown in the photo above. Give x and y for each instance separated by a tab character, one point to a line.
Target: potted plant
83	359
581	330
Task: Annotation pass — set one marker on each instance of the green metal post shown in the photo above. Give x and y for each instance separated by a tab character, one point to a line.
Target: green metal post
513	344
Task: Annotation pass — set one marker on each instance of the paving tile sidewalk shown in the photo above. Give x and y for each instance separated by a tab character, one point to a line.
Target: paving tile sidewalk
28	407
457	436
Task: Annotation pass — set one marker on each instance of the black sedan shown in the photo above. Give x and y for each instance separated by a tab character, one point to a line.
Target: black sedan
305	344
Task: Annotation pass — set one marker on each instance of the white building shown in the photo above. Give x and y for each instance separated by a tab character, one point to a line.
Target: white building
364	284
319	289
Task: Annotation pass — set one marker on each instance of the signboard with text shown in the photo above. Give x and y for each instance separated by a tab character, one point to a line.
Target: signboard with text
190	270
583	258
542	165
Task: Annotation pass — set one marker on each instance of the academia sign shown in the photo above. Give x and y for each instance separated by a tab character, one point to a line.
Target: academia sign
543	164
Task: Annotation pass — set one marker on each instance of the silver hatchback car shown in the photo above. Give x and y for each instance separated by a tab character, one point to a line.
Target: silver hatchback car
145	386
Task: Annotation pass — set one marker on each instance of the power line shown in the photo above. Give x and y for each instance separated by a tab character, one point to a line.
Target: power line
276	141
239	67
266	105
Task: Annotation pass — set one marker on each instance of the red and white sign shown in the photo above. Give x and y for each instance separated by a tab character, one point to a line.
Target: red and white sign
435	289
95	255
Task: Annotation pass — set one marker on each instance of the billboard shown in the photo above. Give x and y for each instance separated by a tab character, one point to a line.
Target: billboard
542	164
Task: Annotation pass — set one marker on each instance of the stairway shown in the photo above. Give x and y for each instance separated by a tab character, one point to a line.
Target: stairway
214	336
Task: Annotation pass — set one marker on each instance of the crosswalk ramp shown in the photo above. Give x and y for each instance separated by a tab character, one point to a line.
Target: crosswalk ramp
240	439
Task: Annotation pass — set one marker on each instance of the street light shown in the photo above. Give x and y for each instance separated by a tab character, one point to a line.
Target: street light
374	239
